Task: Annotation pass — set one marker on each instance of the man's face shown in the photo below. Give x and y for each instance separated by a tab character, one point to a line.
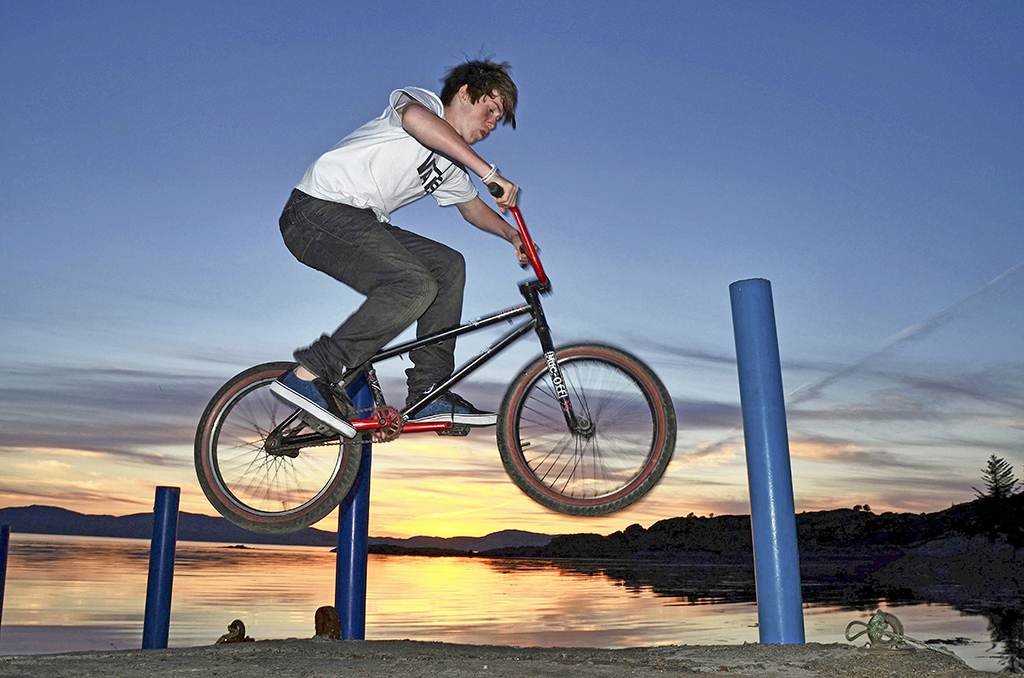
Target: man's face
476	120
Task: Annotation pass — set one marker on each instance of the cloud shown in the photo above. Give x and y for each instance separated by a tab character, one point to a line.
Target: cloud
712	453
882	407
717	358
477	473
687	353
66	495
900	393
995	386
707	414
57	390
902	396
122	413
849	453
914	333
103	444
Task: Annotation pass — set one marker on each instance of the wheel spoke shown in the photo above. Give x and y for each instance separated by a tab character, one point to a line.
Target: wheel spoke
257	488
621	448
573	464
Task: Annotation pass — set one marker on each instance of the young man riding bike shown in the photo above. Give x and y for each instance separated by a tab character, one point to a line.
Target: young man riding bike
338	221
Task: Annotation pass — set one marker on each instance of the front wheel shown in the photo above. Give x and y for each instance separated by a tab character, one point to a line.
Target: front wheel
601	468
261	466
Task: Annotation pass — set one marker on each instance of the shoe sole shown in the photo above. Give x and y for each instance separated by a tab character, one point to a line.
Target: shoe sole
467	419
306	405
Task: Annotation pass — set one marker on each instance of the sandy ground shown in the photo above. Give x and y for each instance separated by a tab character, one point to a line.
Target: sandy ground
385	659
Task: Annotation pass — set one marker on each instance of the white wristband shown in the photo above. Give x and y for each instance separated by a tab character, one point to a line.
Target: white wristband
487	177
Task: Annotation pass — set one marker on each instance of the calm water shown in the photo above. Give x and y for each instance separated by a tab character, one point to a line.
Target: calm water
69	594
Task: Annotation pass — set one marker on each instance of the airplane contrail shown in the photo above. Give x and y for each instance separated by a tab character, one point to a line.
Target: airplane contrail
813	389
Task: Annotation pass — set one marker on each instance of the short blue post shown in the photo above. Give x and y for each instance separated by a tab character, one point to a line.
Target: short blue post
5	540
772	511
353	536
157	625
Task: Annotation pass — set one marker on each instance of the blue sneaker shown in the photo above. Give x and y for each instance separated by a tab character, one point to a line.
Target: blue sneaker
453	408
315	398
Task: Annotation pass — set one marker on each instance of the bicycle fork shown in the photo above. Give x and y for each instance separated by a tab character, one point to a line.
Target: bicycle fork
579	425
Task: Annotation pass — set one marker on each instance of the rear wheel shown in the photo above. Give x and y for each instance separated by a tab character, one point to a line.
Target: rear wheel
261	466
609	463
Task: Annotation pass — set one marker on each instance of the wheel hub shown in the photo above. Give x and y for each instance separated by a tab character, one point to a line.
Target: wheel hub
585	428
274	447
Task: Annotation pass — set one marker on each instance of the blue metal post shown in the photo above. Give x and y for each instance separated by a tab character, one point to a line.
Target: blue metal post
5	540
353	535
161	569
772	512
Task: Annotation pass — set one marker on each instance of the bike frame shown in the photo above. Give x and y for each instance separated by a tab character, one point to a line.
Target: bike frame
531	291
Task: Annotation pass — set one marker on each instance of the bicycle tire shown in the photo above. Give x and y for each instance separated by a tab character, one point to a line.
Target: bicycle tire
587	475
257	490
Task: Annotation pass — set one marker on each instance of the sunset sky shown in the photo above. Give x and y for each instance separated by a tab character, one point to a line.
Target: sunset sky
867	158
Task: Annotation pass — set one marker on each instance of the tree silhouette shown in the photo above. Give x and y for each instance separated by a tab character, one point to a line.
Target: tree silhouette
999	480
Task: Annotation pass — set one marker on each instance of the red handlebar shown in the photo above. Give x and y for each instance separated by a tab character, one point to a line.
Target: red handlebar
531	250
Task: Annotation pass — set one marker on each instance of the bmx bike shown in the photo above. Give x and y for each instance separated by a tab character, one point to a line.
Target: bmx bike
584	429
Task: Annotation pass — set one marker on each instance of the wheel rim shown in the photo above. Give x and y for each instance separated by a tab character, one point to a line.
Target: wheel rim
258	483
611	458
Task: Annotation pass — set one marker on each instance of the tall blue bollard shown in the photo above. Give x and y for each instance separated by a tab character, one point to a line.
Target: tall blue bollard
772	511
5	540
353	531
157	625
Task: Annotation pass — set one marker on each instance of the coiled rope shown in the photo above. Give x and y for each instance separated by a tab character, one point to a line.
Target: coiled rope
879	637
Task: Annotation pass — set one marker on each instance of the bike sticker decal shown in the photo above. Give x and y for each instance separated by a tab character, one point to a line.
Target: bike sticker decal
556	375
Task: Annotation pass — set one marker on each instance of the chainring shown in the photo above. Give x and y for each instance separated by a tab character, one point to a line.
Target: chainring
390	422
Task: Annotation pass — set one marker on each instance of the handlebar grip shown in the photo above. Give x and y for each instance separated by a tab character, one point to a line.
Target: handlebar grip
496	190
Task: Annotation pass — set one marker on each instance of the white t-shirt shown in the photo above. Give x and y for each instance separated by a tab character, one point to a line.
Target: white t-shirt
382	167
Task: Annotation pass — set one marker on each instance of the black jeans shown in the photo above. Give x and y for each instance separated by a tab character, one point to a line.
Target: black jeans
404	276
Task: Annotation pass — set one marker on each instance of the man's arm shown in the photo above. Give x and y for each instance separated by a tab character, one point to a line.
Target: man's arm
483	217
434	132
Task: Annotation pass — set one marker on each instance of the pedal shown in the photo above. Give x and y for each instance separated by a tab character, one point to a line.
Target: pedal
455	430
318	426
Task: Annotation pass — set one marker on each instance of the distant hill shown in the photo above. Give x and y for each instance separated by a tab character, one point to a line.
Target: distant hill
495	540
818	532
191	527
196	527
724	537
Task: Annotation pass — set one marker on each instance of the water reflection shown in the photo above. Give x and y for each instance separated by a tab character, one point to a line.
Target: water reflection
1006	627
694	583
72	594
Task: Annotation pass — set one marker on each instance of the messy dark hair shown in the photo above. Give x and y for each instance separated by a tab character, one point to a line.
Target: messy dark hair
483	78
